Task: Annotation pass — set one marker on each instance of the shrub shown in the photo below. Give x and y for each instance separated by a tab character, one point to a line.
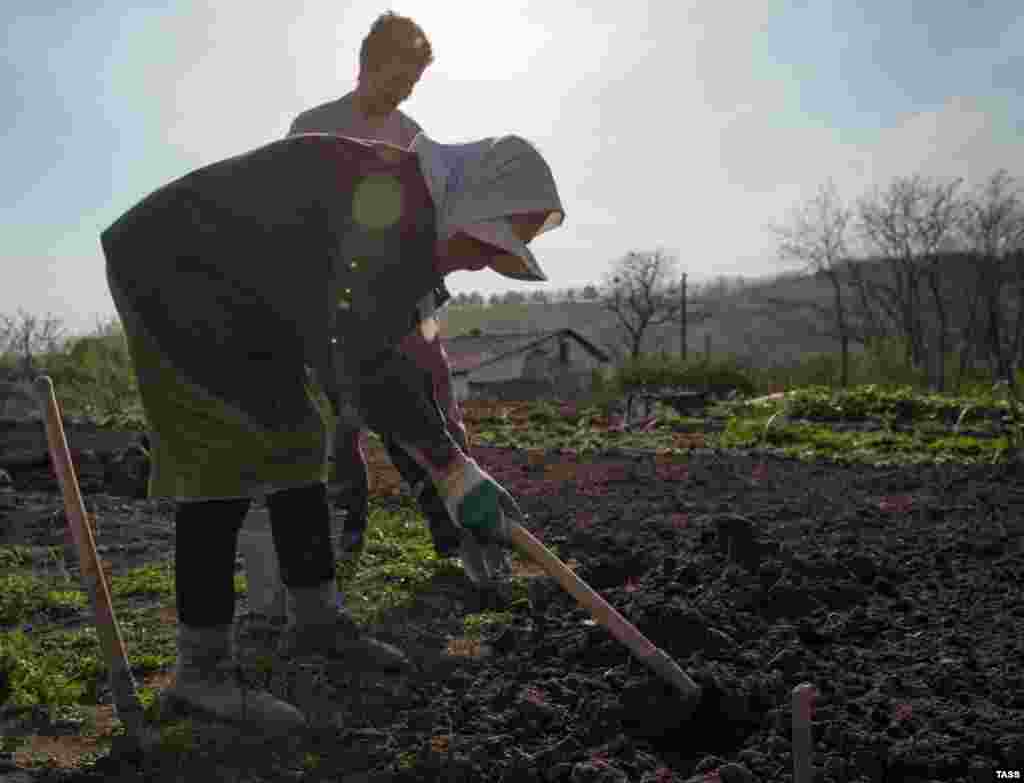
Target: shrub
717	375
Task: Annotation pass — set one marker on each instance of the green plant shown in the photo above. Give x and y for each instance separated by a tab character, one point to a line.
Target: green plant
64	599
477	625
671	372
397	562
20	596
95	378
885	361
151	579
37	679
12	557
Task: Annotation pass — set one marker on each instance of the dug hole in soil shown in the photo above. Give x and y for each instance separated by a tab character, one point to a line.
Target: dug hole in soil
895	592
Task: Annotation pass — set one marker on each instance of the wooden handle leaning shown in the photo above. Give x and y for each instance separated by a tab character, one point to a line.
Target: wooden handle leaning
623	630
122	684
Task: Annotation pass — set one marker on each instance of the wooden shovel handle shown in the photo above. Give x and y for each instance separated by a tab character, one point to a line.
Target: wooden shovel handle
603	612
126	699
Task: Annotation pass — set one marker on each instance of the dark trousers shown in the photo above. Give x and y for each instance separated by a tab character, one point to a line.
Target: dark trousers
206	545
350	462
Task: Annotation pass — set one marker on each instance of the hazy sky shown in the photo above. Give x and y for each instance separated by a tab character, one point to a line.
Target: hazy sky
689	126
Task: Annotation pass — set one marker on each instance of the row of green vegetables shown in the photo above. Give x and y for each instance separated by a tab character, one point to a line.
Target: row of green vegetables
913	427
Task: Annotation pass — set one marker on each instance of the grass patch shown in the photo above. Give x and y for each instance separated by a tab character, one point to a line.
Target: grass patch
16	556
40	675
397	562
60	668
477	626
153	579
65	599
21	596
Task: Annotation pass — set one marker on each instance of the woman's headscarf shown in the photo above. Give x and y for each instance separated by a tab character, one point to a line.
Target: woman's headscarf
476	186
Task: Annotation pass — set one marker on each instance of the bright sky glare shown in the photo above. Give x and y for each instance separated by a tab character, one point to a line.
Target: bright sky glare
689	126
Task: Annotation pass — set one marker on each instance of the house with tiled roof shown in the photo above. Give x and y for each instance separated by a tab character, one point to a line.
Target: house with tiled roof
524	366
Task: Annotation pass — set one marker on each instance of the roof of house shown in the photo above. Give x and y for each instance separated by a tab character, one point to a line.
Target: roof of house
470	352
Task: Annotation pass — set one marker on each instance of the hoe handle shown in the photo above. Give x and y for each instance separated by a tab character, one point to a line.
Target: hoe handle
126	699
623	630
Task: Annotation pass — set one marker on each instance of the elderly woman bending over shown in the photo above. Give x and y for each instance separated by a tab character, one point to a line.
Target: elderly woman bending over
254	290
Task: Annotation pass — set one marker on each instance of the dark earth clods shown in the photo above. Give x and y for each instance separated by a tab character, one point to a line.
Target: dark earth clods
896	592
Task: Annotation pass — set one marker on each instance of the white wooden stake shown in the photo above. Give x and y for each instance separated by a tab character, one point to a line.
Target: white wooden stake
803	696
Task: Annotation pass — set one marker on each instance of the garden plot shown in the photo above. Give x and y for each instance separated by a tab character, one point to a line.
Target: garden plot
895	591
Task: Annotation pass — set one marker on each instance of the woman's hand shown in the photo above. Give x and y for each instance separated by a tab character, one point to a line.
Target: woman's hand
476	502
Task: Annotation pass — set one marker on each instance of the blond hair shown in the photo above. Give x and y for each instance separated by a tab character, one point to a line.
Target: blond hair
395	37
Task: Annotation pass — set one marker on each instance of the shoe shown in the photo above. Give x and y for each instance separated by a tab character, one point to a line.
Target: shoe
319	625
208	681
343	640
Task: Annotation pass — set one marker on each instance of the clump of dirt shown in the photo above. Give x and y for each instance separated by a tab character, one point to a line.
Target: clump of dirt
895	592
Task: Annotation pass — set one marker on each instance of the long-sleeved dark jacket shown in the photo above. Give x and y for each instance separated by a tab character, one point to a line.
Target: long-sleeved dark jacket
244	270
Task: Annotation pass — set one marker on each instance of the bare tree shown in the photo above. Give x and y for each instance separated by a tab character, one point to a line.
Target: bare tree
992	228
27	336
6	332
816	237
936	228
641	296
910	225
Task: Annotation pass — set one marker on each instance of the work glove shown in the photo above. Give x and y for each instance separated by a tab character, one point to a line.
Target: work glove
484	510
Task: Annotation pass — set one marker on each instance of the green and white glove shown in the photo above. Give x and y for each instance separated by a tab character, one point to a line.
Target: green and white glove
483	510
479	507
477	503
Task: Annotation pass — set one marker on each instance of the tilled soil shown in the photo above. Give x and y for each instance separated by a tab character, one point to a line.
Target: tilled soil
895	592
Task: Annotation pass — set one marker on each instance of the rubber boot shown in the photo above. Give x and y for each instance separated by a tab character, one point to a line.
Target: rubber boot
207	680
318	625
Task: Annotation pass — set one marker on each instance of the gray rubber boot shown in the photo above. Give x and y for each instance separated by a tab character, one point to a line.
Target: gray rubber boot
318	625
486	565
206	680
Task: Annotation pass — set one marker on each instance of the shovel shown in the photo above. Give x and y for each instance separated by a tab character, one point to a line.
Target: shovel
122	685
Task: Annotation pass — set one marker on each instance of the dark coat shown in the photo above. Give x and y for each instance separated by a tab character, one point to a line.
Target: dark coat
244	270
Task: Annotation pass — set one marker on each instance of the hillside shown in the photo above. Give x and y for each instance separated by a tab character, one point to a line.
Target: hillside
743	319
739	324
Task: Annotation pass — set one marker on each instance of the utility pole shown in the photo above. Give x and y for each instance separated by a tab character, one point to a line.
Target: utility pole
682	349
